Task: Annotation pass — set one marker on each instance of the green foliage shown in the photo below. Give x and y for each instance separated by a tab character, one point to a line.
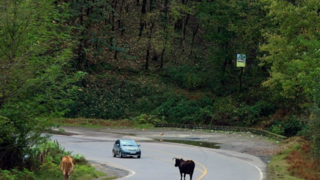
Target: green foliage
34	56
46	160
223	111
149	119
94	32
15	174
289	127
228	111
112	98
188	77
277	129
314	126
232	27
251	114
178	109
293	47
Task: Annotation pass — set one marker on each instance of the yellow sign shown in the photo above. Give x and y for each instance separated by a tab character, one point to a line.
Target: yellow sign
241	60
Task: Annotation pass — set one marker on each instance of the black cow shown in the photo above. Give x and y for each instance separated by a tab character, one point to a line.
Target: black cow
185	167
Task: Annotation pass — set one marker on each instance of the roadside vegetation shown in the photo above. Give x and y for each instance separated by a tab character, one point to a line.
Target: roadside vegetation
140	62
43	162
294	162
142	121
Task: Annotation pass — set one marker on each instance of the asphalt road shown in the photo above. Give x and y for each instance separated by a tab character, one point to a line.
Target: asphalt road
156	161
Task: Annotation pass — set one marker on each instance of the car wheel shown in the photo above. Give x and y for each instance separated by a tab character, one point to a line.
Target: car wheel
139	156
120	154
113	153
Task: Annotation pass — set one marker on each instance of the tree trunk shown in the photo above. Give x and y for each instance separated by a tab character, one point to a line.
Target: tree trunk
225	62
147	58
161	61
1	101
113	14
165	32
143	12
151	5
115	54
193	37
81	41
149	46
183	31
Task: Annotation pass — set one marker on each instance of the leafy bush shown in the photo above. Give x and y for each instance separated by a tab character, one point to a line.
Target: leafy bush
251	114
15	174
180	110
188	77
277	129
228	111
223	111
290	126
112	98
149	119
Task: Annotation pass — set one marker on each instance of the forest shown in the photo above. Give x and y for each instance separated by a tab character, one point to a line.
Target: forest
174	61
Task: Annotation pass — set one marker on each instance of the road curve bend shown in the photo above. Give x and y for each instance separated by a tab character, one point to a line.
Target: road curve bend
157	163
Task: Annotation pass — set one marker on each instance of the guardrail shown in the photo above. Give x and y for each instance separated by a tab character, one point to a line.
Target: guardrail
226	128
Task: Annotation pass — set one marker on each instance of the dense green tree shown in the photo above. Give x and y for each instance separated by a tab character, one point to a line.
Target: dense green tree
97	25
34	55
293	48
294	55
232	27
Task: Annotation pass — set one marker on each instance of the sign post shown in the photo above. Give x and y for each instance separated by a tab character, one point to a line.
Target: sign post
241	62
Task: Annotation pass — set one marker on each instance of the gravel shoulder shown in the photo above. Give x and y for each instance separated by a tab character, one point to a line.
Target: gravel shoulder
243	142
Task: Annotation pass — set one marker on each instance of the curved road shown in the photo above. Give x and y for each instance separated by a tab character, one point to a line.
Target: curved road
156	160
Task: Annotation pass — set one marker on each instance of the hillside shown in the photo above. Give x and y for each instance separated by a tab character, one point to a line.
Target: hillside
171	61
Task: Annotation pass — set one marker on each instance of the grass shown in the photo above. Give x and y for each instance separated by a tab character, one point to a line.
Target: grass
278	167
93	123
108	178
81	172
301	163
100	123
294	162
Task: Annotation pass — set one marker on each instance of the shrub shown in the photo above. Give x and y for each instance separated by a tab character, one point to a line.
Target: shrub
251	114
180	110
115	99
15	174
289	126
188	77
277	129
228	111
149	119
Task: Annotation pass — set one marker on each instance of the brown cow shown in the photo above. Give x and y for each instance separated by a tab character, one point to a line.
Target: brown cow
185	167
66	166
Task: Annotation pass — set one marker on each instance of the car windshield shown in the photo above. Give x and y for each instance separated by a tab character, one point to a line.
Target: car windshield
128	143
